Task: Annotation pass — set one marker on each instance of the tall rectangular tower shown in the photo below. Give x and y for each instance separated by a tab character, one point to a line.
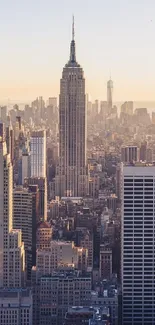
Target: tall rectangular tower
6	186
138	244
38	153
12	254
72	178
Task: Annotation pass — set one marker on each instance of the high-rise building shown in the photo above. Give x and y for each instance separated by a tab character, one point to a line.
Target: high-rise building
127	108
143	151
38	153
4	114
5	208
16	261
52	101
129	154
2	131
16	306
41	182
12	254
44	235
109	95
105	262
138	244
72	179
22	219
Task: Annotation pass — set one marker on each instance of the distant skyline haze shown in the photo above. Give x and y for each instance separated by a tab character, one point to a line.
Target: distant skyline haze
116	36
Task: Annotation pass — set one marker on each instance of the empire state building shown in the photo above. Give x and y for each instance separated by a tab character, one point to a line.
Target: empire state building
72	179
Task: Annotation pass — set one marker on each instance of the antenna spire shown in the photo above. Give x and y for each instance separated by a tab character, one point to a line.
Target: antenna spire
73	31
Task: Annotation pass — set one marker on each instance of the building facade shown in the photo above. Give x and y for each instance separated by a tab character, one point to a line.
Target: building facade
60	291
12	254
38	153
72	179
129	154
16	306
138	243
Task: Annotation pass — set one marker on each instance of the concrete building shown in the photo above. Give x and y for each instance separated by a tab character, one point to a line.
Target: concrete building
16	261
109	95
38	153
26	166
105	262
41	182
106	294
86	241
11	247
71	178
16	306
60	291
127	108
4	114
23	219
44	236
129	154
79	315
138	242
94	185
143	151
61	253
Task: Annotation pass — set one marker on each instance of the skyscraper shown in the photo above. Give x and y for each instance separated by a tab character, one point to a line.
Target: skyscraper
38	154
109	95
138	244
5	207
12	254
72	175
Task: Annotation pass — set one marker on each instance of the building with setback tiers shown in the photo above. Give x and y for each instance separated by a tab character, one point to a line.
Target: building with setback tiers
71	178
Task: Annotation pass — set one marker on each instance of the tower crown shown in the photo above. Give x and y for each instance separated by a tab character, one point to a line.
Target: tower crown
72	61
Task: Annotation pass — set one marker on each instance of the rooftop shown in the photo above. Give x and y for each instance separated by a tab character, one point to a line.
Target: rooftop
44	224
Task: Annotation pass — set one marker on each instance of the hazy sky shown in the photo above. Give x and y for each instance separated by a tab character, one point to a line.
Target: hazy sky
116	35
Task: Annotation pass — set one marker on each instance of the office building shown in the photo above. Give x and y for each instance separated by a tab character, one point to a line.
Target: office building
43	235
41	183
129	154
127	108
15	273
10	142
16	306
79	315
2	132
60	291
105	268
143	151
86	241
12	254
71	178
4	114
38	153
26	166
138	242
61	253
52	101
106	294
22	219
26	217
109	95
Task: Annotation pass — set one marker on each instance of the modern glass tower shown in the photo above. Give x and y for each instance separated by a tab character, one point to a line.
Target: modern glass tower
71	179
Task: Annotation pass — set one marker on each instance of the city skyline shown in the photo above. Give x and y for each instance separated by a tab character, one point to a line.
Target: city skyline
119	40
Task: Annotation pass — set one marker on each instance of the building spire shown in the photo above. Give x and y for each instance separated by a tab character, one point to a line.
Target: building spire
72	47
73	31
